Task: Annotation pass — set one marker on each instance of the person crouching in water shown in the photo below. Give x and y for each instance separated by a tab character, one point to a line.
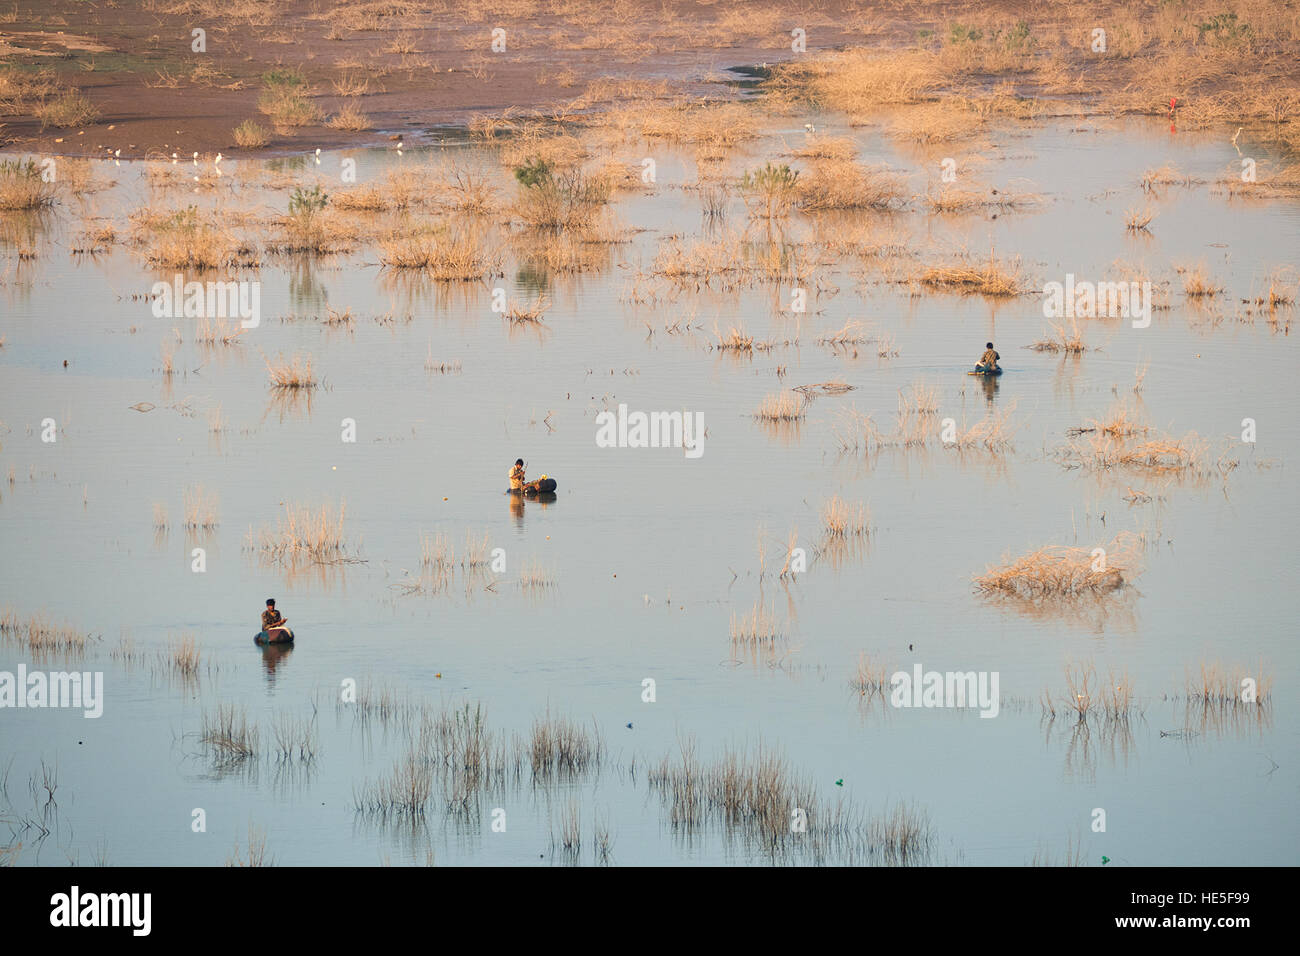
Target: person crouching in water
272	620
989	360
517	475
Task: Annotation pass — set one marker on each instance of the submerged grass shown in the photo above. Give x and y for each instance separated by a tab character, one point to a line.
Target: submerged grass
302	532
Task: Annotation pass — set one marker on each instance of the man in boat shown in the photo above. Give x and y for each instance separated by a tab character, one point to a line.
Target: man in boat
989	360
272	621
517	475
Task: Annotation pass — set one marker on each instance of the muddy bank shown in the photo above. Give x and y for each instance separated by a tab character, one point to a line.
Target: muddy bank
407	68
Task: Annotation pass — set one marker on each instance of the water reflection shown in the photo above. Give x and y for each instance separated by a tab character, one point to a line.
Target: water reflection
273	655
516	503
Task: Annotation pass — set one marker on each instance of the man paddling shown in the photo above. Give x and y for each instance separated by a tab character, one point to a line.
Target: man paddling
517	475
989	360
272	621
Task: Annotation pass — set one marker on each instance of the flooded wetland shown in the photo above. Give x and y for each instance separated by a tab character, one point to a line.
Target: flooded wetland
808	591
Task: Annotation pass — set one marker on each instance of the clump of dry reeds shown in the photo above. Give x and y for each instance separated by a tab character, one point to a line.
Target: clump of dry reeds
841	519
559	746
440	254
213	332
758	797
1138	220
570	836
403	793
477	551
256	854
200	509
1197	284
437	552
872	677
181	657
38	637
738	339
350	118
851	333
758	626
902	835
845	184
303	533
534	577
227	733
22	187
251	135
1063	571
293	374
1119	441
782	408
1069	341
993	433
995	279
183	239
1216	686
530	312
961	199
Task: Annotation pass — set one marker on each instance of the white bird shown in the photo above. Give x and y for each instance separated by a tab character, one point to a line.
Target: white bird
173	159
196	159
810	127
317	155
217	161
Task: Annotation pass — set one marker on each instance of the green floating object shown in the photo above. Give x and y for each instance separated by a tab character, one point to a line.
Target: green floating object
839	782
1105	860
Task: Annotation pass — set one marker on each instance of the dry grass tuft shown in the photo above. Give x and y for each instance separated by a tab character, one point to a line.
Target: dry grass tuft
841	520
22	187
1062	571
251	135
758	627
294	374
38	637
1069	341
782	407
844	184
200	509
994	279
227	733
304	533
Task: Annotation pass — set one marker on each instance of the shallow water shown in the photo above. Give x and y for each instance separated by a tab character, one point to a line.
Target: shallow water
652	552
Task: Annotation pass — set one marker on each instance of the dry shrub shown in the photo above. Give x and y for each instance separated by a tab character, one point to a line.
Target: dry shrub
350	118
845	184
444	255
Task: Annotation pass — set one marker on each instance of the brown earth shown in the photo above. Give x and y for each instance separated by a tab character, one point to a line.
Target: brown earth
427	65
416	67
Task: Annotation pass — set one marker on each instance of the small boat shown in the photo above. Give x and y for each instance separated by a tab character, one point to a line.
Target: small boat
283	636
981	370
542	486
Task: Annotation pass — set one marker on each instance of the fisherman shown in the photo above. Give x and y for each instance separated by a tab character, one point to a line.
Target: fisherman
517	475
272	619
989	360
